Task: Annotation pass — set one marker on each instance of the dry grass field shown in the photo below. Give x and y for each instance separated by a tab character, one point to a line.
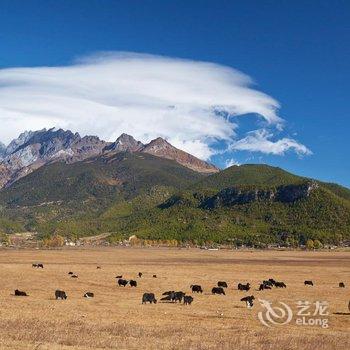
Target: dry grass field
115	318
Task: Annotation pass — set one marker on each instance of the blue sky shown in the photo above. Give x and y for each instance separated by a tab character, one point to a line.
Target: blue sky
297	52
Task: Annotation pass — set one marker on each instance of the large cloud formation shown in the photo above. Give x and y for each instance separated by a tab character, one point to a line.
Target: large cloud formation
188	102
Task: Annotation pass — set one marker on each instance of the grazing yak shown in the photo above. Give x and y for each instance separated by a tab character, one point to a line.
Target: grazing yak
218	290
122	282
74	276
280	285
168	297
140	274
264	286
19	293
120	276
149	297
196	288
248	300
245	287
178	296
154	276
38	266
60	294
341	285
308	283
98	267
89	295
222	284
70	273
173	296
188	300
268	283
133	283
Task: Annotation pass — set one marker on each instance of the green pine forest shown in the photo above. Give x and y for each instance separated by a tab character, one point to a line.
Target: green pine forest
127	194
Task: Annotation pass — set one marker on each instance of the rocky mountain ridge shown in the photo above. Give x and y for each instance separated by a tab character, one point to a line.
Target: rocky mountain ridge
284	194
161	148
33	149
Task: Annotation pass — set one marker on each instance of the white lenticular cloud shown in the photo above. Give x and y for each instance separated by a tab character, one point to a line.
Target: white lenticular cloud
260	141
188	102
230	162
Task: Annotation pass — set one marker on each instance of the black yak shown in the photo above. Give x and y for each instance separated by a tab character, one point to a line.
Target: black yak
196	288
188	300
149	297
19	293
133	283
60	294
218	290
222	284
248	300
245	287
280	285
89	295
122	282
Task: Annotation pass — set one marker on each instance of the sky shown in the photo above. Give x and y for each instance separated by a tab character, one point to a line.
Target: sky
232	82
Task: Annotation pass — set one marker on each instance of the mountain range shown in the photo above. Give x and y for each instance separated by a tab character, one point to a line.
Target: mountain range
31	150
57	182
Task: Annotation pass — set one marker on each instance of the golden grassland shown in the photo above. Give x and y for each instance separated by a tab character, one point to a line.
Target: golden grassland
115	318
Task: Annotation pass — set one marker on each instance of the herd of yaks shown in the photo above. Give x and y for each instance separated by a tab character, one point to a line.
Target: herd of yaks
179	296
220	289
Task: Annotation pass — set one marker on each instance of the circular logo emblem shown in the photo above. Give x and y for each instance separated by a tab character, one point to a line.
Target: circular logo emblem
274	315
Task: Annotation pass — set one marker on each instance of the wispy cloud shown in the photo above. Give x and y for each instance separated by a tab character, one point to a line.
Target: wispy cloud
230	162
260	141
188	102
